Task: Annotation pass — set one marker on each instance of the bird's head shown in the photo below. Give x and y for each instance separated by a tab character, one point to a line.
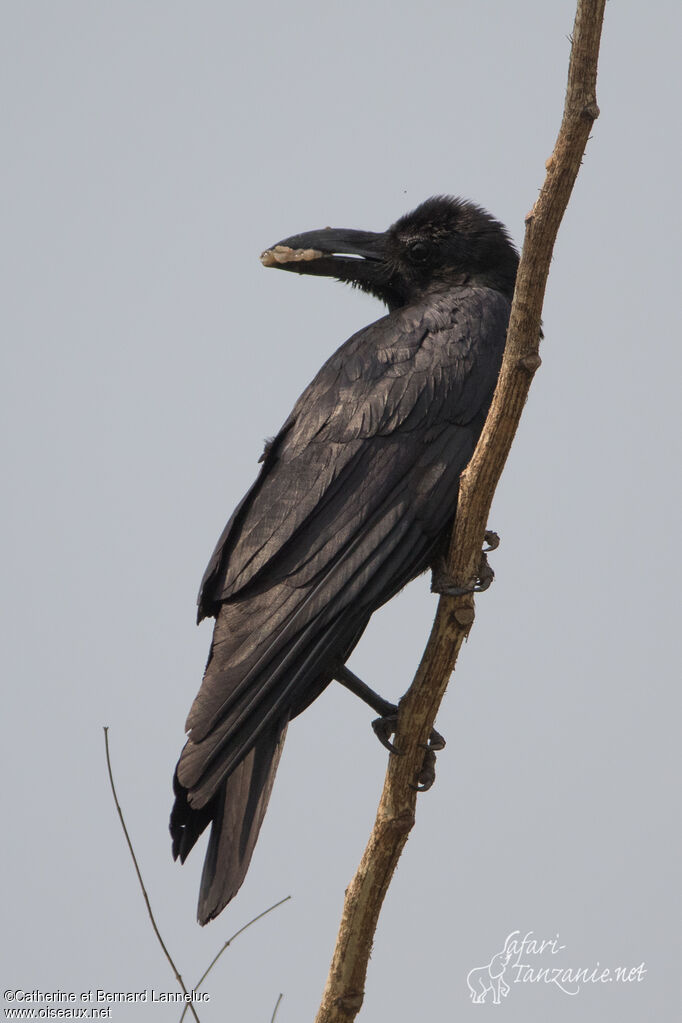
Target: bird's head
444	243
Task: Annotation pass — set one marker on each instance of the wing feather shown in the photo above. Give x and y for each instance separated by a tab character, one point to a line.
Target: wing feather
353	496
408	372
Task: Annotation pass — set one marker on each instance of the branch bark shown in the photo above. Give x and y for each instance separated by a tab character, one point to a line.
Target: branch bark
344	991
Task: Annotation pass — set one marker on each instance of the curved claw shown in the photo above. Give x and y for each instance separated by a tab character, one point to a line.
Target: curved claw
440	582
485	578
485	575
453	591
435	744
384	727
492	539
427	775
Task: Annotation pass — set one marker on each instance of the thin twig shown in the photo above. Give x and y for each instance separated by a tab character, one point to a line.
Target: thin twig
229	941
274	1011
345	988
167	954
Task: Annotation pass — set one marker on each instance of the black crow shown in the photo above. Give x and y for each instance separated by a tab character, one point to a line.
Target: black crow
356	497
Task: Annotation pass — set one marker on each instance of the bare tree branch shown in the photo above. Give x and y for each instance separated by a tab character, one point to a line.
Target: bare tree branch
274	1012
139	878
227	944
344	992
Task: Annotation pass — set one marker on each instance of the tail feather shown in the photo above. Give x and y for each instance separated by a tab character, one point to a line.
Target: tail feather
273	652
235	813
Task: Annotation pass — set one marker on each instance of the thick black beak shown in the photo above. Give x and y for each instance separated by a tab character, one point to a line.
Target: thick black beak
331	252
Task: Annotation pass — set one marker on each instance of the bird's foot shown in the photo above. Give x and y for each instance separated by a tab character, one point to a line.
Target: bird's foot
384	727
427	774
492	539
442	582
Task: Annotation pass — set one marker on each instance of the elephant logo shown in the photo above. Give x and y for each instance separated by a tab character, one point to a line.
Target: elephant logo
484	979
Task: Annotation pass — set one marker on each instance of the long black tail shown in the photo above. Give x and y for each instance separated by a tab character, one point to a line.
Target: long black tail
235	813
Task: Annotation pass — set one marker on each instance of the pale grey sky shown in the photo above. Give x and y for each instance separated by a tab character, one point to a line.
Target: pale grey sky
151	151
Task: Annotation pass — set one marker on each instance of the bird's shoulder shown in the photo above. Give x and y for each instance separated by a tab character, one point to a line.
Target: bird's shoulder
372	383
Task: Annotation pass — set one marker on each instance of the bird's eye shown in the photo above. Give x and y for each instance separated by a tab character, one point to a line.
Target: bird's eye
418	252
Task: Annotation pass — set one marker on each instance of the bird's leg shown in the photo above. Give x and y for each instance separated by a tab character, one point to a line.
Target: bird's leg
384	726
442	583
351	681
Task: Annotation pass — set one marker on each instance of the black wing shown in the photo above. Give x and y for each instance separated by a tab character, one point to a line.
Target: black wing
354	494
397	380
